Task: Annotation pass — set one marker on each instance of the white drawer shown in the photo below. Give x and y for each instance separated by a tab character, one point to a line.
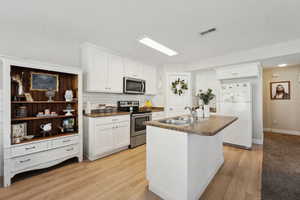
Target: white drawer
65	141
29	161
114	119
29	148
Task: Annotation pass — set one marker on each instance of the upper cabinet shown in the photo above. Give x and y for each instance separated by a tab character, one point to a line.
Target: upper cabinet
115	74
150	77
238	71
133	69
103	72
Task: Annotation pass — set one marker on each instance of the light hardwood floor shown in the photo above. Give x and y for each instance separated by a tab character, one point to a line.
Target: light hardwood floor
122	177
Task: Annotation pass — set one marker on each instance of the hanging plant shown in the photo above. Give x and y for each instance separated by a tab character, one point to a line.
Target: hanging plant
179	86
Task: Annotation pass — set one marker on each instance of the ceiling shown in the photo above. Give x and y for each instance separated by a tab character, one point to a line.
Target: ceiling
290	60
117	24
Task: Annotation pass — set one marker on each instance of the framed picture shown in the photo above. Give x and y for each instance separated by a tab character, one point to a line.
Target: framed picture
280	90
19	130
43	81
28	97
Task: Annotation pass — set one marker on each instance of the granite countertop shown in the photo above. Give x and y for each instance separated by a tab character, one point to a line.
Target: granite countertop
206	127
153	109
107	114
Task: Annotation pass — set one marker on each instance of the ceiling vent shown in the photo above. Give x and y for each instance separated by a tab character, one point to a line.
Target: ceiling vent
208	31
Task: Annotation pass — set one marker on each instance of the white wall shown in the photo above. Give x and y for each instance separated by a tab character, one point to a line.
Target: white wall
282	115
1	118
207	79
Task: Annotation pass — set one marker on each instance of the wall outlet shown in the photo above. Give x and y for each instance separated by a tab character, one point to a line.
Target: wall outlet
275	122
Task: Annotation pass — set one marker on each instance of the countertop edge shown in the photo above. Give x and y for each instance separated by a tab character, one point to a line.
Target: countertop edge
185	130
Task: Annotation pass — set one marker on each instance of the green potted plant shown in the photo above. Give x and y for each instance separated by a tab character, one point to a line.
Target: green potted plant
206	97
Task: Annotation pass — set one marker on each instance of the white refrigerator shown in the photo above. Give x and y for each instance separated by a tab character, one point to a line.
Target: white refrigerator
236	100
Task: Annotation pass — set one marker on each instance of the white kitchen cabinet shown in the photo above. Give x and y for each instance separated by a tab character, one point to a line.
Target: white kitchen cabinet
106	135
133	69
238	71
103	70
97	70
103	139
120	134
150	77
115	74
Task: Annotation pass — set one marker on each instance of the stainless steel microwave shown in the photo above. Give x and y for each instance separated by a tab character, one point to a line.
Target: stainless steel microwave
134	86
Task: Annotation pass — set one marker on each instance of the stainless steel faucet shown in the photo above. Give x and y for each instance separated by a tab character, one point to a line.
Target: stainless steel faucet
192	111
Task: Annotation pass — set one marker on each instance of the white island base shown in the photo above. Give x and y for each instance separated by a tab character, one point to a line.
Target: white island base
181	165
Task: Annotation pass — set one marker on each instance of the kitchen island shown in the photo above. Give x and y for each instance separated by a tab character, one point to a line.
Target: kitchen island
183	155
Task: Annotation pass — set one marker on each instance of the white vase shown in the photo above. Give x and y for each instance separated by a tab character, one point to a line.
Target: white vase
206	110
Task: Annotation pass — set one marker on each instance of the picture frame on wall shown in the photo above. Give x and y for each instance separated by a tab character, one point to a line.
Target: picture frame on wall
43	81
280	90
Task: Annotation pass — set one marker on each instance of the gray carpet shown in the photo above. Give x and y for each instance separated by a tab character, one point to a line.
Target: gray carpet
281	167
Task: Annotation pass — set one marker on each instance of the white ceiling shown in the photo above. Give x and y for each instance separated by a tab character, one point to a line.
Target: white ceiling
117	24
293	59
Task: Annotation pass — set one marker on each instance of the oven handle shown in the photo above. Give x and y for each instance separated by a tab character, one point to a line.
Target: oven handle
142	115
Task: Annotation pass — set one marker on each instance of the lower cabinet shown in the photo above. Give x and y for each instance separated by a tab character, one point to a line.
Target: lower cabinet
105	135
40	154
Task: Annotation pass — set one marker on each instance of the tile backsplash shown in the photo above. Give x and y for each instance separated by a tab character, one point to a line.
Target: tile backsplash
107	98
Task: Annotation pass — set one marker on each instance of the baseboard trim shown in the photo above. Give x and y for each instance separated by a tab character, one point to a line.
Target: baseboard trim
282	131
257	141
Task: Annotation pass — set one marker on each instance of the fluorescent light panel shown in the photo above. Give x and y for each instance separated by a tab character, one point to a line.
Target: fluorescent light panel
157	46
282	65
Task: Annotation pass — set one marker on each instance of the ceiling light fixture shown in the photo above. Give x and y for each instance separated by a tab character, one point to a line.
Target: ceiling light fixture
282	65
157	46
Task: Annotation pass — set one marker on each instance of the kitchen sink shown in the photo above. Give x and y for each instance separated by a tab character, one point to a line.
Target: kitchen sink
179	121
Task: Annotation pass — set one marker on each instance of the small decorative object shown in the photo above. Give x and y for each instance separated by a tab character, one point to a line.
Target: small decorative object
179	86
69	95
28	137
18	79
28	97
43	81
53	114
40	114
47	112
148	103
21	111
50	94
206	97
280	90
68	125
69	110
18	132
46	129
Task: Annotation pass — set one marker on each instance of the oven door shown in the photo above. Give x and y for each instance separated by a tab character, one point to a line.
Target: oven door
137	123
134	86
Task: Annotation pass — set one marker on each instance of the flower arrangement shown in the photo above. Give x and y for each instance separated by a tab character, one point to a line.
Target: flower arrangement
207	96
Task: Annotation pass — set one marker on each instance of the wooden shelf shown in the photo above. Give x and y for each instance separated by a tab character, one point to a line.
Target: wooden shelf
41	102
48	137
41	118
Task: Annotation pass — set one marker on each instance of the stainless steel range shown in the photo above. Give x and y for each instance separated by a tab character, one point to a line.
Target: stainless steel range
137	127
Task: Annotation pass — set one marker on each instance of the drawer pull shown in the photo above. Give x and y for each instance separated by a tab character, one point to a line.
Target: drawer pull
70	149
29	148
66	141
24	161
